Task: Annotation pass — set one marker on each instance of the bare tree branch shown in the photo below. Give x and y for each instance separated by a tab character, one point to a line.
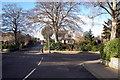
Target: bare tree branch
55	14
110	7
13	19
104	8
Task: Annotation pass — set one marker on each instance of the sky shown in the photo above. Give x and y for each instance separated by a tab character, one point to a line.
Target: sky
96	28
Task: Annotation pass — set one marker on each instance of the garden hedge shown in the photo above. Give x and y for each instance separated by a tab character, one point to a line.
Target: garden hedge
112	49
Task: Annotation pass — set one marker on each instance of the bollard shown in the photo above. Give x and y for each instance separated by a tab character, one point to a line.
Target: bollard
42	50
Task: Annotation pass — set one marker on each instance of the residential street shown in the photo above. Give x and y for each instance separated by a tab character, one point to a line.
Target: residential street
46	39
26	64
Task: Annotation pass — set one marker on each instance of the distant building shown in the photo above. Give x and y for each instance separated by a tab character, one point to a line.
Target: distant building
79	38
68	41
42	42
66	37
8	38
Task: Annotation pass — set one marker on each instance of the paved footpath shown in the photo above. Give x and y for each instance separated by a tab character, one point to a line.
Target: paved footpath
100	71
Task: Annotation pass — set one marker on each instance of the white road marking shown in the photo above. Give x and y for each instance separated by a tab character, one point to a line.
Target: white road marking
39	63
30	73
33	69
42	58
81	64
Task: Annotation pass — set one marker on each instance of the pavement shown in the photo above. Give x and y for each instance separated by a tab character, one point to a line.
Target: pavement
101	71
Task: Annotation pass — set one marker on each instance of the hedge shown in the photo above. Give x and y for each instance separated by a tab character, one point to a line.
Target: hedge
112	49
54	46
60	46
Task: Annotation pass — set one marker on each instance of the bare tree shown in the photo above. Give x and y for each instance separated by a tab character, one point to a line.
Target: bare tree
113	9
59	15
12	19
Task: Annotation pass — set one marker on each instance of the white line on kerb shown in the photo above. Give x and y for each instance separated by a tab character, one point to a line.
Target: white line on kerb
33	69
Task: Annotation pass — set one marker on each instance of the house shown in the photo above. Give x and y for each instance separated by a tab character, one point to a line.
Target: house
66	37
42	42
68	41
8	38
79	38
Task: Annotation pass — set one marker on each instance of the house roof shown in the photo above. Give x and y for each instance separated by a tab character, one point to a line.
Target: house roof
7	33
67	39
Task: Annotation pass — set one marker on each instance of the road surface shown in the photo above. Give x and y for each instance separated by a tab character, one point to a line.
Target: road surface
26	64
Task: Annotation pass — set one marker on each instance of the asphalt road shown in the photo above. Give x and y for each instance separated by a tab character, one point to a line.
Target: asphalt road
25	64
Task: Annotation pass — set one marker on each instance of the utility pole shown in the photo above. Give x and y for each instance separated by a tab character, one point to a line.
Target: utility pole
48	43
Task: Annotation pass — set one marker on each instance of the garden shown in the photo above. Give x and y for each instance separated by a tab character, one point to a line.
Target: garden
107	50
15	46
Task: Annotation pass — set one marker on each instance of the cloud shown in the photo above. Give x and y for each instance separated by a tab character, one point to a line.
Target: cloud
85	19
96	28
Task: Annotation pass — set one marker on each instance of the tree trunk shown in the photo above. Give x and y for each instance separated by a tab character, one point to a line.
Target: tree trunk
114	21
114	29
48	44
56	36
15	37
